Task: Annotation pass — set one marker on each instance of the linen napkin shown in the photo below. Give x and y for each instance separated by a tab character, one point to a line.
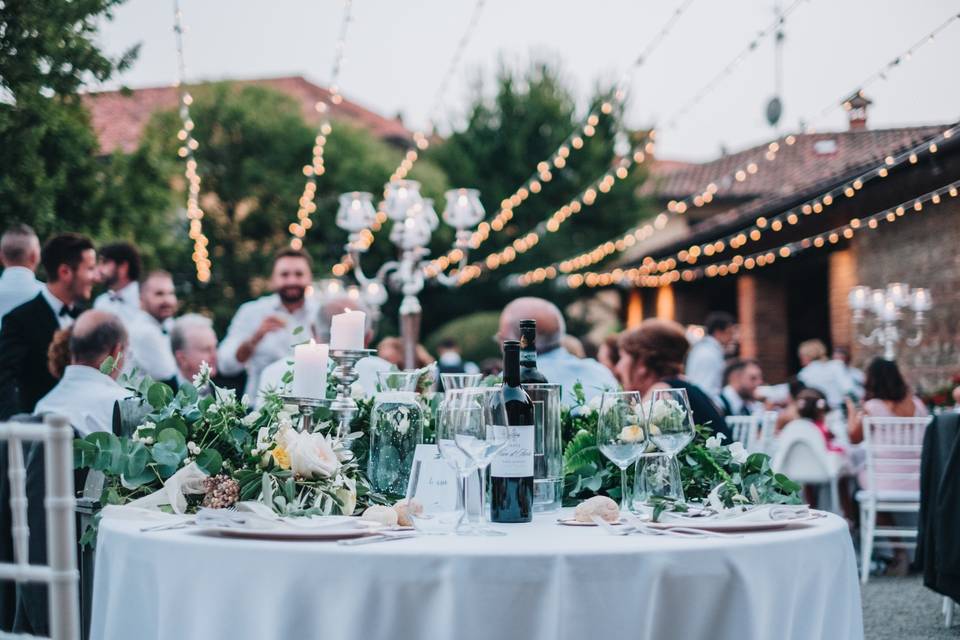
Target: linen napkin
255	515
758	513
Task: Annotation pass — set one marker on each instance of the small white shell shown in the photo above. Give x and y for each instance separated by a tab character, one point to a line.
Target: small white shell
404	509
597	506
387	516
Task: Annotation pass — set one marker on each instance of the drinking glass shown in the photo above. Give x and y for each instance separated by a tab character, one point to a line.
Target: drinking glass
396	428
451	381
671	422
476	422
658	476
621	433
432	509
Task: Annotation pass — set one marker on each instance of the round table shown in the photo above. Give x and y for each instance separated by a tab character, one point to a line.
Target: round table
542	580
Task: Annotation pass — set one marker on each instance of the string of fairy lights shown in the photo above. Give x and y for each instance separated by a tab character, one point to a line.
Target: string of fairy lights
530	239
765	258
644	231
558	159
316	168
189	145
738	239
421	141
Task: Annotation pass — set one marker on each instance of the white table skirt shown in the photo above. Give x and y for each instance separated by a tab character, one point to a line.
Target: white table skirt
543	580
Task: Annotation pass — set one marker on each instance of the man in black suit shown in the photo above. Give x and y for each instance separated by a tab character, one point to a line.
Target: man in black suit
71	265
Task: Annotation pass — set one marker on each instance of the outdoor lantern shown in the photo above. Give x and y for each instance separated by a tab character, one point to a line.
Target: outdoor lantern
859	298
401	195
412	233
920	300
899	293
463	210
356	211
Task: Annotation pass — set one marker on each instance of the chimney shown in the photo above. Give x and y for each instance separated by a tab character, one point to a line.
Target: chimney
856	107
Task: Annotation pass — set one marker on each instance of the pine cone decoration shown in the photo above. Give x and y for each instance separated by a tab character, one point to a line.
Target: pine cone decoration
221	491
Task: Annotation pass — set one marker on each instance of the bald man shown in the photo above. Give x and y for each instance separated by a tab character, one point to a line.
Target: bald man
84	394
553	360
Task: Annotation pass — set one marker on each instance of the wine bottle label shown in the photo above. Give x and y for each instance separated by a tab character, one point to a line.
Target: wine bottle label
515	460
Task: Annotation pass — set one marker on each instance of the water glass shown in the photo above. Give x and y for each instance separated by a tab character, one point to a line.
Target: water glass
433	510
671	423
451	381
396	428
657	476
621	433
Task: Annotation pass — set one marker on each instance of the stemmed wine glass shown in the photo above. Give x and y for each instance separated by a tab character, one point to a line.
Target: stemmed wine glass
470	432
671	423
621	433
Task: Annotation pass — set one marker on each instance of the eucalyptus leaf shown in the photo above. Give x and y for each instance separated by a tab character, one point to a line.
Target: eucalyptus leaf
210	461
159	395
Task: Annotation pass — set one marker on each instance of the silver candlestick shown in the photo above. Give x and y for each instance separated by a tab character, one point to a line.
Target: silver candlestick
345	374
306	407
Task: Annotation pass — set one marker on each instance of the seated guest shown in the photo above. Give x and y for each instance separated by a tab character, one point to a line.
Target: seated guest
119	270
608	353
742	378
450	360
150	351
193	342
391	350
789	412
19	255
857	377
573	346
651	358
812	406
70	262
707	358
553	359
829	376
264	330
84	394
886	395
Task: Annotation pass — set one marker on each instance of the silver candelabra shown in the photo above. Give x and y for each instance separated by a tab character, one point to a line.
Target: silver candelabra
414	221
885	310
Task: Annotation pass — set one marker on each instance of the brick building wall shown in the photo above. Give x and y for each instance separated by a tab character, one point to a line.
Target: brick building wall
923	250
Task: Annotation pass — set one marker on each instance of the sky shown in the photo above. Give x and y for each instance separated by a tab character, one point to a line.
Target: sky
397	53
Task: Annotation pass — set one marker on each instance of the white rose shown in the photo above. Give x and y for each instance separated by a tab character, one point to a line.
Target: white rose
356	391
347	495
714	442
311	454
738	453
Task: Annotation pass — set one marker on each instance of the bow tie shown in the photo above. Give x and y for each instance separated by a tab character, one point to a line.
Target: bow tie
115	296
73	312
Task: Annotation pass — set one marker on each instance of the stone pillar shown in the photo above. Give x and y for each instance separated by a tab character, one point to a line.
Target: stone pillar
666	305
842	274
634	309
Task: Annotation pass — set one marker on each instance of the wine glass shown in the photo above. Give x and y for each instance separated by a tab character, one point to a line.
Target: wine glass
432	509
656	477
621	433
474	420
671	422
451	381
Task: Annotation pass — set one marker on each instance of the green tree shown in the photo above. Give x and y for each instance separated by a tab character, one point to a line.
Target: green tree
253	145
47	51
529	115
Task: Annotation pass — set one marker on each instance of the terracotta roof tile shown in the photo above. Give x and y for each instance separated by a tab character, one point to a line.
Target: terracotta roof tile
119	118
812	159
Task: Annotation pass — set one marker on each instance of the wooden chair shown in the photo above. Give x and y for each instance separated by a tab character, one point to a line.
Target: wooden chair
60	574
892	447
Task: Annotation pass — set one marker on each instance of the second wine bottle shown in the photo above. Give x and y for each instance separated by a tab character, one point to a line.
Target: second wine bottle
511	473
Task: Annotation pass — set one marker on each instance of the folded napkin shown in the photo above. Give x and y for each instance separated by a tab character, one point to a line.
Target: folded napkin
186	481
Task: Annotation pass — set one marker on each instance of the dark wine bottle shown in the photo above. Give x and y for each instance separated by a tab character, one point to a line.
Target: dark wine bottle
529	374
511	472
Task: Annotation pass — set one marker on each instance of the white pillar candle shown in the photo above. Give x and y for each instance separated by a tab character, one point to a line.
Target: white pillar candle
310	370
347	330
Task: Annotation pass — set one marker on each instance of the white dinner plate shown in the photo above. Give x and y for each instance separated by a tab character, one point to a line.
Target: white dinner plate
290	533
573	522
734	524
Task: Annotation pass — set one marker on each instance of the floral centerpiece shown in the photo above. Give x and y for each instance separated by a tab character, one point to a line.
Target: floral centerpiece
717	474
210	448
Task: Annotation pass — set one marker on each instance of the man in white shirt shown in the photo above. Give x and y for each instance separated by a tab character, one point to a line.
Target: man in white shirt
149	329
85	395
367	368
556	363
20	255
264	330
739	396
707	358
194	343
826	376
119	269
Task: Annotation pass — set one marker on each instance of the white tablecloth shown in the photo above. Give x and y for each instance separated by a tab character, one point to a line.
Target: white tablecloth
542	580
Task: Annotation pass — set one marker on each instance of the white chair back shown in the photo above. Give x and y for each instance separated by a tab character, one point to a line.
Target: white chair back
893	447
802	454
61	573
743	428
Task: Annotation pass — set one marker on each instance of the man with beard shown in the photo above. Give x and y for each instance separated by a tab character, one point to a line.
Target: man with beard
149	329
265	330
119	269
70	262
